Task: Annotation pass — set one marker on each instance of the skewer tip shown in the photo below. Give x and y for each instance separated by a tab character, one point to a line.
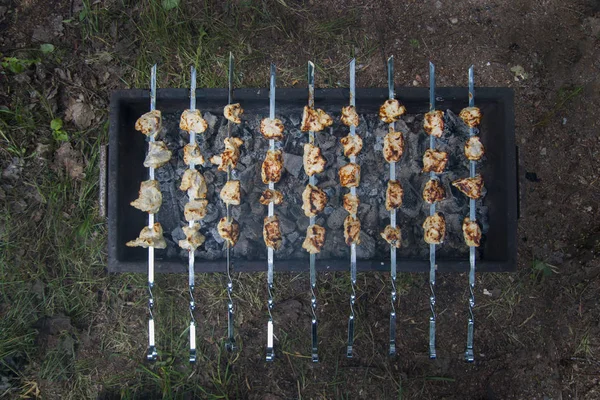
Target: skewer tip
390	59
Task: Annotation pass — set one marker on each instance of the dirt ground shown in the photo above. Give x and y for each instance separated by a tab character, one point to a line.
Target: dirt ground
70	330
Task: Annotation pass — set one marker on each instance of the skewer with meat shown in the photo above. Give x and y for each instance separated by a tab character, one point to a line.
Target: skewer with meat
230	156
150	197
472	187
150	237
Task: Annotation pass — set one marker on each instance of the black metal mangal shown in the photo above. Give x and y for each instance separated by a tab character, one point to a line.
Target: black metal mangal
127	151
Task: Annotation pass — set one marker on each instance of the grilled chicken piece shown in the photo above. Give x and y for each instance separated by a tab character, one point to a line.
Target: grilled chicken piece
192	121
433	191
150	123
352	145
233	112
349	175
471	232
349	116
272	128
195	210
229	231
272	166
314	163
471	116
269	195
433	123
315	120
192	154
435	228
434	161
150	197
393	195
271	232
150	238
392	235
229	156
391	111
193	238
158	155
351	203
313	200
474	149
230	194
315	239
194	183
352	230
393	145
472	187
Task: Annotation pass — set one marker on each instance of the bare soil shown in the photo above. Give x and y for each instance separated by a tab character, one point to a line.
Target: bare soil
536	336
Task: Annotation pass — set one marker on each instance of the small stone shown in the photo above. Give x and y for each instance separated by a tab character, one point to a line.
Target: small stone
543	151
454	20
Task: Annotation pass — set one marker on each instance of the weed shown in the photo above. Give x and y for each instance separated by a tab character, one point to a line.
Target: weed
414	43
542	270
18	65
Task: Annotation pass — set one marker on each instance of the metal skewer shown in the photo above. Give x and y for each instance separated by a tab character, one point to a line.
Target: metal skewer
469	355
230	318
191	272
312	181
432	266
391	95
152	353
270	350
353	245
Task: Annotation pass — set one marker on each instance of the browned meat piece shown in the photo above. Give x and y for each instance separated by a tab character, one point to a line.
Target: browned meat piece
271	232
195	210
349	175
435	229
474	149
150	197
230	155
352	145
269	195
352	230
272	128
315	239
158	155
193	238
391	111
393	145
193	182
434	161
150	238
150	123
314	163
393	195
315	120
233	112
471	116
433	123
349	116
392	235
229	231
471	232
272	166
351	203
230	194
472	187
192	154
192	121
433	191
314	200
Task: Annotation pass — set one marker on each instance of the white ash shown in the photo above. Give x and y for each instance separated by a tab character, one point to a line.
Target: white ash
374	176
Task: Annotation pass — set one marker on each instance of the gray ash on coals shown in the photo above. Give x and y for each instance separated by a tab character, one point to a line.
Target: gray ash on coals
374	176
